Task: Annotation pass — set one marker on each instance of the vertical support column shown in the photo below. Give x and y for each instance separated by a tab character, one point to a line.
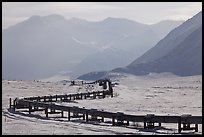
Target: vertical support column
81	95
120	119
196	127
65	97
62	113
97	94
102	119
14	104
94	95
56	98
76	96
159	124
83	116
113	120
46	112
110	88
179	125
44	98
111	92
144	122
150	120
128	123
70	97
9	102
68	114
104	95
29	107
87	116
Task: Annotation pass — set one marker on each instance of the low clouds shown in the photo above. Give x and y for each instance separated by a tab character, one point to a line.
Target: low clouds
144	12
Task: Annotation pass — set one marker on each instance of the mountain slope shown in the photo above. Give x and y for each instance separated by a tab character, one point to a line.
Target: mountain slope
164	27
185	60
180	52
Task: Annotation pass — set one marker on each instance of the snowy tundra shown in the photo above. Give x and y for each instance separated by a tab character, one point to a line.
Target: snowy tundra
159	94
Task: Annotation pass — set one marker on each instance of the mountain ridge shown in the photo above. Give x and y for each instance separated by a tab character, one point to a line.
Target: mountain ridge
42	46
180	53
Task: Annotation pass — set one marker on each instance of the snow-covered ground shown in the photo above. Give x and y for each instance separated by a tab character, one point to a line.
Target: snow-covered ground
159	94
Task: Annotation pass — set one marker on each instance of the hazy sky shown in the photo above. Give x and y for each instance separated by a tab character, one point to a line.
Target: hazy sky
144	12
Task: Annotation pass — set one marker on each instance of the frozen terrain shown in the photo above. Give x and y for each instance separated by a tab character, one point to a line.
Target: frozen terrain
159	94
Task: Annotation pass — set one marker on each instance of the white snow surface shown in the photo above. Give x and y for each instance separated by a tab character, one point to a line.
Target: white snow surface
137	95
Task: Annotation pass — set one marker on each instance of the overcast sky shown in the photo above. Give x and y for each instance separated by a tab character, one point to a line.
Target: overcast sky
143	12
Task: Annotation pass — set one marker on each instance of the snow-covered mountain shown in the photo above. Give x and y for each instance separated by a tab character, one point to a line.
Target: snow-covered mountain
180	53
40	47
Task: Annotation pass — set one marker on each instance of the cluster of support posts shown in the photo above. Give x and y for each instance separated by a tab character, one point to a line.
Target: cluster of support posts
186	125
120	121
94	116
149	121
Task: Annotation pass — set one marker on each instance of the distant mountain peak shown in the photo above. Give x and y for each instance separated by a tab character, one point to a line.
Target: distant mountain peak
51	17
110	18
33	18
77	20
54	16
115	20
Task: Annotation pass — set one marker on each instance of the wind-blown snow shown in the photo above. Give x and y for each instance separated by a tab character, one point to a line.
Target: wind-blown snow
162	94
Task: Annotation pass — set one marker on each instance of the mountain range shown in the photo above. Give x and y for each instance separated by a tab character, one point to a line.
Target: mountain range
40	47
180	53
